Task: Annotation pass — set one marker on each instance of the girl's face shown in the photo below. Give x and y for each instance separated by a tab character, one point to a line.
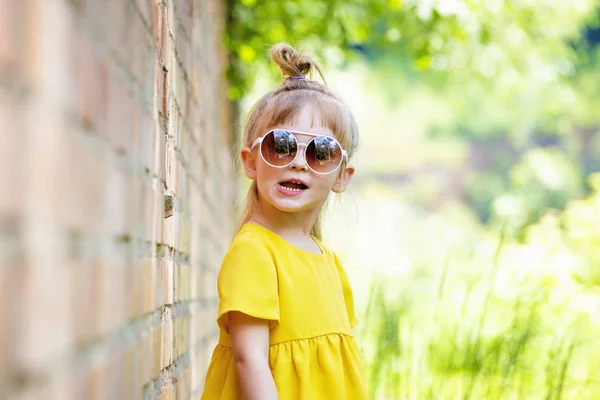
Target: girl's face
274	184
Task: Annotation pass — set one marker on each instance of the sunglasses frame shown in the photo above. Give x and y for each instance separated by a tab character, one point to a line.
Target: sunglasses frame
259	141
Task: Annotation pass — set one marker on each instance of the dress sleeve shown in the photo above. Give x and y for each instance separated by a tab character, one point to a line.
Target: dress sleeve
248	283
348	296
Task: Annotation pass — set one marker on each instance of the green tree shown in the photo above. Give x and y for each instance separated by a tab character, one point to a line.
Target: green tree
504	44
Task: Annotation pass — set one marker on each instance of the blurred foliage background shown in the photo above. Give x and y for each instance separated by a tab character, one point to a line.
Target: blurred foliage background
474	242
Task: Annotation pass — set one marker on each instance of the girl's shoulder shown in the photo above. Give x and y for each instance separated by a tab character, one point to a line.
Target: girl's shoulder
248	248
255	233
250	239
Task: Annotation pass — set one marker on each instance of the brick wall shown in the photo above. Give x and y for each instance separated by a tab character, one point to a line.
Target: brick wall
116	196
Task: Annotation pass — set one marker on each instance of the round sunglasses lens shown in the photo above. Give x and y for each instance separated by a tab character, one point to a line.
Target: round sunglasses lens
279	148
323	154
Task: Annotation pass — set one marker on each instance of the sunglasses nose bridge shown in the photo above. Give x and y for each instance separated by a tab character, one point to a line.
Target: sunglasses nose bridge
300	160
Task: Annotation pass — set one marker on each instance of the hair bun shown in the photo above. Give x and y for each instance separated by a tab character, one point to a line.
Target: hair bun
292	62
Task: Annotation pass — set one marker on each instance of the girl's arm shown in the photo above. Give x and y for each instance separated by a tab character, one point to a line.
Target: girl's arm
250	341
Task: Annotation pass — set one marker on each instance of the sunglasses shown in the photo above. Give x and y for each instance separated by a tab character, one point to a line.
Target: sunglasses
279	148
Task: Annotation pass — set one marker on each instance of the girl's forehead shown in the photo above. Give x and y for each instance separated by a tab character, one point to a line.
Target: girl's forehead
308	120
308	116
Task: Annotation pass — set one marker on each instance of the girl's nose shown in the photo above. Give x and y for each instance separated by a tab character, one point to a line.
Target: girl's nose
300	160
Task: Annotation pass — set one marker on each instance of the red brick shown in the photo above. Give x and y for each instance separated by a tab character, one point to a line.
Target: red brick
157	347
96	388
159	217
157	26
171	229
186	107
128	38
116	292
13	157
162	93
173	122
139	50
87	127
137	212
184	142
104	77
142	359
159	287
177	84
196	380
166	393
54	390
193	282
167	345
166	280
172	168
148	204
182	48
96	11
150	277
182	337
46	155
145	9
170	16
134	292
184	235
161	151
136	370
82	298
196	164
167	52
78	384
176	337
115	218
85	82
183	284
5	322
115	16
184	12
147	356
11	33
119	115
183	134
149	132
194	76
49	26
126	377
135	130
100	300
45	324
81	186
184	187
130	204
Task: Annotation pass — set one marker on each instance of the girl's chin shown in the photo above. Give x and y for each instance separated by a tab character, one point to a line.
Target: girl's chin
290	204
294	203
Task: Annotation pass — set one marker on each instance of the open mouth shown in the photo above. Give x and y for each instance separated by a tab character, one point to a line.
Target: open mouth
293	185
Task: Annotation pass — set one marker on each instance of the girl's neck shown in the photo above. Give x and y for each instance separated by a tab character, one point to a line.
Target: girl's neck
284	223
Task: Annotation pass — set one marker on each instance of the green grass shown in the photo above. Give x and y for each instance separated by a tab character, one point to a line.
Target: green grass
461	337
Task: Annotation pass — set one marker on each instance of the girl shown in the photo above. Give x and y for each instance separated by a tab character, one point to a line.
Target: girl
285	304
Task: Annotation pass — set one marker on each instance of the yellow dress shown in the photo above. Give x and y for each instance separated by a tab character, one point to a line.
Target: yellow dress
308	301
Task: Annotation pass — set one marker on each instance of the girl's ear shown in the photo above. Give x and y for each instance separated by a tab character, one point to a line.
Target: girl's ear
249	162
343	179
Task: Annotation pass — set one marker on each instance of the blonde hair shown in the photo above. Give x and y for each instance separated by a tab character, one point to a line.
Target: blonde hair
280	105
